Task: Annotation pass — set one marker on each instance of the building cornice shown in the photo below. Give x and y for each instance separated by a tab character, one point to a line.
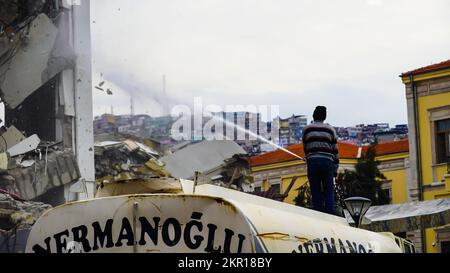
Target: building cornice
427	76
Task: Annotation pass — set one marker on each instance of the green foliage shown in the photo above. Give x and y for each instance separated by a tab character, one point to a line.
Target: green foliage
303	198
365	181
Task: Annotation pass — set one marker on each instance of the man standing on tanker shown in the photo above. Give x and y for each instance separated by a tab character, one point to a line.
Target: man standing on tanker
322	157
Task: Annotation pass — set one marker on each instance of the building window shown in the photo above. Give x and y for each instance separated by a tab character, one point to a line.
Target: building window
445	247
276	188
388	194
443	140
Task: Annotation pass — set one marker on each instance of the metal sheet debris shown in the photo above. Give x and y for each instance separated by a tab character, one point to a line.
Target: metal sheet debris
200	157
25	146
409	216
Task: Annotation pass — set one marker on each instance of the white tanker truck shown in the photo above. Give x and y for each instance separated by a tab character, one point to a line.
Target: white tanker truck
172	215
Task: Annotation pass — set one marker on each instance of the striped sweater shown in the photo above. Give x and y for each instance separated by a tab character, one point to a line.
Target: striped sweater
320	140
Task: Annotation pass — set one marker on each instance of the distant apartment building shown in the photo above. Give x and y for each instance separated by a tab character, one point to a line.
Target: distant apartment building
142	126
290	130
240	126
366	134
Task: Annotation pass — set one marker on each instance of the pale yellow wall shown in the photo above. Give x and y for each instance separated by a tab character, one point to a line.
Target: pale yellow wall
399	192
425	103
286	180
441	171
430	233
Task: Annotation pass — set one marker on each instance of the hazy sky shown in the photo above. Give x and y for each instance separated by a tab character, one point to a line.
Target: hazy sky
297	54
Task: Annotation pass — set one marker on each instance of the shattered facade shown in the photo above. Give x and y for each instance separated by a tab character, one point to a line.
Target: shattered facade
46	141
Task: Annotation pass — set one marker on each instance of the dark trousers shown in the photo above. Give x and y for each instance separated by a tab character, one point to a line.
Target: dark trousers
320	175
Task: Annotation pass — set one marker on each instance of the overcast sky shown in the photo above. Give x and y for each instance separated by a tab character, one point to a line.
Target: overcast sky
346	55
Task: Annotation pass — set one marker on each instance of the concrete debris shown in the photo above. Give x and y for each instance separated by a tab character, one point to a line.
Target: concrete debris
16	220
52	168
16	213
27	163
29	167
25	146
126	160
234	173
10	137
3	161
24	69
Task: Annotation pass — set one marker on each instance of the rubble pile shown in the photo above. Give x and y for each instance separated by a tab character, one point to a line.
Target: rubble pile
17	217
30	167
233	173
16	213
130	167
125	160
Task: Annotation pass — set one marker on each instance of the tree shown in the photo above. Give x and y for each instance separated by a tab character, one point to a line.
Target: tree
365	181
303	198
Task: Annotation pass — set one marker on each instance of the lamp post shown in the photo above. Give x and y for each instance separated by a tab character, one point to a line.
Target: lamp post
357	207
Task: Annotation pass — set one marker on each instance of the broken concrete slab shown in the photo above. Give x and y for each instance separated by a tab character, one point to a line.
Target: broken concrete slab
24	72
127	159
10	137
57	169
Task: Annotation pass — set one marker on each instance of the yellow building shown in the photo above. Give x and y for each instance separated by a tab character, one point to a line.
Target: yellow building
277	169
428	100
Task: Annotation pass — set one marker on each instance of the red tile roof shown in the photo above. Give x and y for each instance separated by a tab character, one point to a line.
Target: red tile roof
346	151
433	67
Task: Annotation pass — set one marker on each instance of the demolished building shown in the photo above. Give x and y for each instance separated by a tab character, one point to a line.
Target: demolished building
45	85
46	141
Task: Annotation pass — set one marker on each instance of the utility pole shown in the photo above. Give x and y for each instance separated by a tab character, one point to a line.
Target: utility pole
165	106
131	105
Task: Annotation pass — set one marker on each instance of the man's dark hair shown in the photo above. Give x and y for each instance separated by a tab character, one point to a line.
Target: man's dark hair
320	114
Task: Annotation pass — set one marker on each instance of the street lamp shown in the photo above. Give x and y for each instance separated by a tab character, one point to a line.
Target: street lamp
357	207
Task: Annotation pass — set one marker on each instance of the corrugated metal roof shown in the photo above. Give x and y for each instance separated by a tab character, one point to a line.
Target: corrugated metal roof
201	157
409	216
